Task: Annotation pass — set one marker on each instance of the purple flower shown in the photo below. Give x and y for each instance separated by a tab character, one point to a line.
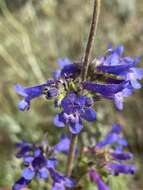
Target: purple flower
39	161
30	93
107	90
20	184
111	137
96	178
117	169
75	108
67	69
60	182
24	149
116	76
63	145
37	165
114	63
115	92
121	155
110	156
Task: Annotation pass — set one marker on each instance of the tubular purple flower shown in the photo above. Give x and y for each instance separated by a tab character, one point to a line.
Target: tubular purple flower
30	93
117	169
96	178
115	69
111	137
106	90
121	155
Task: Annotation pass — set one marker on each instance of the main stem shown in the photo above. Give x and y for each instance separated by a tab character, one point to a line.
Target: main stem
86	61
92	32
71	155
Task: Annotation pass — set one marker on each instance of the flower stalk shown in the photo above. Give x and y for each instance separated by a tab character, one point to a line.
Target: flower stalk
92	32
71	156
93	28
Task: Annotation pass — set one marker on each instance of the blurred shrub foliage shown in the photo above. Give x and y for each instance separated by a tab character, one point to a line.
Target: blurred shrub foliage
33	34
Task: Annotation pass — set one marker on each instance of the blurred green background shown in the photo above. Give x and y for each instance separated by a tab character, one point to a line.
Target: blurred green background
33	34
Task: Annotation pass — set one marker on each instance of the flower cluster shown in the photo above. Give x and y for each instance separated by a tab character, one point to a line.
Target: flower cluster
111	76
40	163
110	157
115	76
62	88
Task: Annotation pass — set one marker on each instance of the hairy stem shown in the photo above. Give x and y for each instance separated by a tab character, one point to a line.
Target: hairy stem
71	155
92	32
